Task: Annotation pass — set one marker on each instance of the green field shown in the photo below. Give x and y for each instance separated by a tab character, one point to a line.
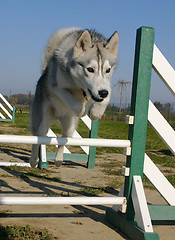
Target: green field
155	147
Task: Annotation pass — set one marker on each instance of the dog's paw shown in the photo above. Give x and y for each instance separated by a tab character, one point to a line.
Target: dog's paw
94	114
81	111
33	162
58	163
97	110
59	156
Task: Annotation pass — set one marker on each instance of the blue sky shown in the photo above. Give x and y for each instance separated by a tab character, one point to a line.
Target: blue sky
26	26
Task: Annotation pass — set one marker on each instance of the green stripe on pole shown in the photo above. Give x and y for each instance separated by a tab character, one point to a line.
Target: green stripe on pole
139	109
92	150
137	133
162	212
68	156
13	114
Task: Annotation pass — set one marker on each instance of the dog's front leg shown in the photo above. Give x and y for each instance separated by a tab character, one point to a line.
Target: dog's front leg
77	107
34	159
98	108
68	125
59	156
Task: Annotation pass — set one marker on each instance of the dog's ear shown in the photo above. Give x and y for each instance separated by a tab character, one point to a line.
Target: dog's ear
112	44
84	42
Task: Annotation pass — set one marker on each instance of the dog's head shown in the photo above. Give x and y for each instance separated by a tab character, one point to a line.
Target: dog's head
94	60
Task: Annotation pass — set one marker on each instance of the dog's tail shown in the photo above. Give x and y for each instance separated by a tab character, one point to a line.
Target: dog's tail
53	43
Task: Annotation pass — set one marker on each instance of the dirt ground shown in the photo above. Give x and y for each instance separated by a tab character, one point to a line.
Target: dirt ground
73	179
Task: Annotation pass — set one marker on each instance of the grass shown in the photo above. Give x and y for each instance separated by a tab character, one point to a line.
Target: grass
96	191
155	148
25	173
22	122
23	233
91	191
163	160
112	171
108	130
171	179
112	130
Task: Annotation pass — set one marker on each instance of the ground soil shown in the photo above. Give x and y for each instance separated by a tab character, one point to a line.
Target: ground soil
67	222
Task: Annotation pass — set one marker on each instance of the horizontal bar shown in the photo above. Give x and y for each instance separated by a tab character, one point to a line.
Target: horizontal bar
50	156
64	141
52	134
62	200
68	157
162	212
19	164
5	120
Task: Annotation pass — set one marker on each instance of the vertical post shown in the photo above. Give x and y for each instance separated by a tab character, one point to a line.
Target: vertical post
112	111
92	150
137	134
139	109
13	114
42	157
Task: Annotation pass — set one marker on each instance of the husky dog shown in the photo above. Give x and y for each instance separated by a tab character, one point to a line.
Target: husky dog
75	81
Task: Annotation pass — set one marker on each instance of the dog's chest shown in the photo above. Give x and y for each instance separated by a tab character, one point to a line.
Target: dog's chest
79	95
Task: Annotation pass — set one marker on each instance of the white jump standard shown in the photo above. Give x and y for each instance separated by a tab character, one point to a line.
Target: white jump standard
7	112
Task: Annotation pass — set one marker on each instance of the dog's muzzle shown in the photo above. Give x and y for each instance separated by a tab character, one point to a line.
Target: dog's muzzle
102	93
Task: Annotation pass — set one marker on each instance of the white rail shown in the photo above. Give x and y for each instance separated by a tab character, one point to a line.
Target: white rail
2	116
162	127
164	70
19	164
64	141
161	183
62	200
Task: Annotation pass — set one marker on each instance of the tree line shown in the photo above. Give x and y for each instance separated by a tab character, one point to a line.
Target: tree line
114	112
26	99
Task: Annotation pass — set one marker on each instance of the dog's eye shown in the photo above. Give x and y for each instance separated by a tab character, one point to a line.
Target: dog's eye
108	70
90	69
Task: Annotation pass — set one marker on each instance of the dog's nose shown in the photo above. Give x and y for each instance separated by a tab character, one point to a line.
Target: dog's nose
103	93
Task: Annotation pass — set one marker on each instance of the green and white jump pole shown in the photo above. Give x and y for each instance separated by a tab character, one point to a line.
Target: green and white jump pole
89	151
136	222
7	113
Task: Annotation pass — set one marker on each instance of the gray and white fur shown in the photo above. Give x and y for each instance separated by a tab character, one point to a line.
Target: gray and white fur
76	70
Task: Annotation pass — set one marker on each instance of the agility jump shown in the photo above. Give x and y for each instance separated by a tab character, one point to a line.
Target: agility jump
134	216
7	113
64	141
